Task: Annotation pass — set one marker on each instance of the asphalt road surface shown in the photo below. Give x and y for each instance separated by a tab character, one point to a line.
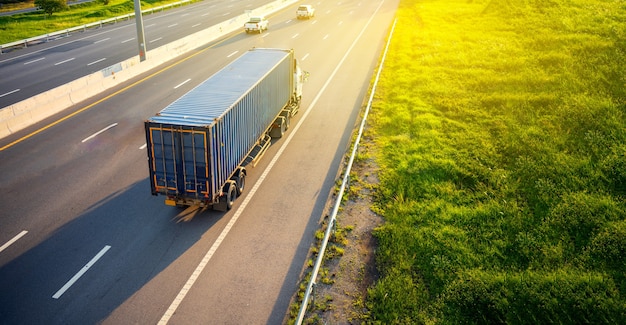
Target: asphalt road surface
29	71
82	241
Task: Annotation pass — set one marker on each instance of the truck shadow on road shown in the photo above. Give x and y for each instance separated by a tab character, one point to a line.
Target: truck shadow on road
146	242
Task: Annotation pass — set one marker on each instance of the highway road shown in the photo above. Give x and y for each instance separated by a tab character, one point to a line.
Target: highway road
29	71
82	241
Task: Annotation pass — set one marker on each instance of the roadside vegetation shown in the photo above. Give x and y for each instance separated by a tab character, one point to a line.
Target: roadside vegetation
500	130
22	26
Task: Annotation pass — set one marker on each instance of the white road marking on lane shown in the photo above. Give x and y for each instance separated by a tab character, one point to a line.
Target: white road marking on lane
94	62
294	36
208	13
182	83
102	40
232	54
143	147
97	133
265	35
65	61
305	56
172	25
10	92
81	272
326	36
33	61
128	40
13	240
198	24
156	39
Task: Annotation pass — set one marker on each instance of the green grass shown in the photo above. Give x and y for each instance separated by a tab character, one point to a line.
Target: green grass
500	127
27	25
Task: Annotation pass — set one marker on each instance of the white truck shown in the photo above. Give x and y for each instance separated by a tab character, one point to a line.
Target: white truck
256	24
305	12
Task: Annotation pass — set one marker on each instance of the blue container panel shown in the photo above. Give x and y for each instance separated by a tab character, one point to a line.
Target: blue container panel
241	127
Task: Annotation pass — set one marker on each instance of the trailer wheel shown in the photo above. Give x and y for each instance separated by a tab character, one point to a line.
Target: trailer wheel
287	120
230	194
240	181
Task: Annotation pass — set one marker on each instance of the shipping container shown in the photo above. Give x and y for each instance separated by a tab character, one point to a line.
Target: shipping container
199	145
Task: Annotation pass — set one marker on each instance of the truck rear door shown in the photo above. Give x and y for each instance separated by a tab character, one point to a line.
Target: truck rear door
179	162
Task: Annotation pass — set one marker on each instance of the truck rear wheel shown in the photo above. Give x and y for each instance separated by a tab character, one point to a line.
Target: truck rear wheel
227	199
240	180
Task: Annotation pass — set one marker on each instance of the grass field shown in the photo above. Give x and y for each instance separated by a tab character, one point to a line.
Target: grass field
501	133
22	26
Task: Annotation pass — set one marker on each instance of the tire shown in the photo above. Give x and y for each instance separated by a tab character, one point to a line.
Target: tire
240	181
287	120
231	194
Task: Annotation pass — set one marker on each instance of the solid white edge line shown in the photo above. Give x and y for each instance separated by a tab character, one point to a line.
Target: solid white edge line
81	272
205	260
95	134
13	240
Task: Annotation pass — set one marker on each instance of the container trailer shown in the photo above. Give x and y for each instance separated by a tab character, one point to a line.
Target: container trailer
200	145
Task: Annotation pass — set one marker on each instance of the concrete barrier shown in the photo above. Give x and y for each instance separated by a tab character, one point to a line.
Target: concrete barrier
32	110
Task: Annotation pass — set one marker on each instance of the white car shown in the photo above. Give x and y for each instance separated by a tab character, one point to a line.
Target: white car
305	11
256	24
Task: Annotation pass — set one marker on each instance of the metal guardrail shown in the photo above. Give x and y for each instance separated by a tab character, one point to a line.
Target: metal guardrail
345	180
66	32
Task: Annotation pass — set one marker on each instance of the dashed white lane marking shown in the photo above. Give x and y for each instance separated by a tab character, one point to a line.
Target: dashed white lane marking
97	133
33	61
10	92
64	61
182	83
232	54
102	40
80	273
143	147
97	61
13	240
305	56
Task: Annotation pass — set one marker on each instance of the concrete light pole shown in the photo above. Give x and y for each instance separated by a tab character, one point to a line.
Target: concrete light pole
140	34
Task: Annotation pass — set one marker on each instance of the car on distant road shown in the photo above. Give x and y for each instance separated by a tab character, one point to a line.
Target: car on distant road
305	12
256	24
